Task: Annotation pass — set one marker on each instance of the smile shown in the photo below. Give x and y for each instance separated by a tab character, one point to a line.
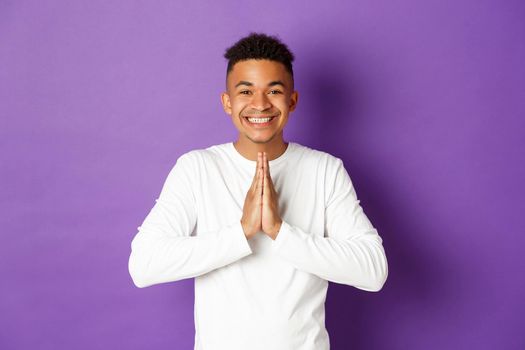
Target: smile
259	121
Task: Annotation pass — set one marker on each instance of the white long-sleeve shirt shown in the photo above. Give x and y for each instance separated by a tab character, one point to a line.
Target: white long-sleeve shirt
258	293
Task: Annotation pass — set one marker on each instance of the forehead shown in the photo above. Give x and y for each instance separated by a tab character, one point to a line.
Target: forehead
258	72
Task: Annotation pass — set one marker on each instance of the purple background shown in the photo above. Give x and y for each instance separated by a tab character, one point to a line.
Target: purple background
423	100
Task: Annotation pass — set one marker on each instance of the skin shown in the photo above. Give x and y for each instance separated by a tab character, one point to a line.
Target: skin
260	88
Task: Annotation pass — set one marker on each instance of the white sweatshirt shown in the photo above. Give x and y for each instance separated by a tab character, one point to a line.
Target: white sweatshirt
258	293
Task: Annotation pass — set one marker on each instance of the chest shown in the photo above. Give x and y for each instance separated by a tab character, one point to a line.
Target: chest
221	193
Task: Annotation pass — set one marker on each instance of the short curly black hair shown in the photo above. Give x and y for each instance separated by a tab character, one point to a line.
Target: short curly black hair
259	46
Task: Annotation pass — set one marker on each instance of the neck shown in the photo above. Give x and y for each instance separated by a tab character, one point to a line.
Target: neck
248	149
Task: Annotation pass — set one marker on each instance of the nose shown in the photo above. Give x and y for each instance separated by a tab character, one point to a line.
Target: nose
260	101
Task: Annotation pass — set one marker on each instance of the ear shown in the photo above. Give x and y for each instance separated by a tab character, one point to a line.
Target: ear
294	98
226	104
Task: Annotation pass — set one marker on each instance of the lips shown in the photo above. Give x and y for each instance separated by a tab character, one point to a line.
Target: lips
259	116
252	124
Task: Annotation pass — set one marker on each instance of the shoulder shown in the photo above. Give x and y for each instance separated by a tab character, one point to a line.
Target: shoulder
327	160
194	157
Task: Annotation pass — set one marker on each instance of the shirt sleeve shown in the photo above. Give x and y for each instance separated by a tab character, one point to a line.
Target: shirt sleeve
351	250
164	249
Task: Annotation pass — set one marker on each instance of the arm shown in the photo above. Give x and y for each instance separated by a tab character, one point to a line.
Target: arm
165	251
350	253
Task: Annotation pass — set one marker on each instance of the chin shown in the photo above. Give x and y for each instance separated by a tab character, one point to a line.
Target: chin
261	140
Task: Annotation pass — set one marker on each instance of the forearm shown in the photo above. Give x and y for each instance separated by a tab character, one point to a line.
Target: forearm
359	261
157	258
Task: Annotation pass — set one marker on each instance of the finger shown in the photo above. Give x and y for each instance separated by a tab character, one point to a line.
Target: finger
266	189
259	179
267	162
259	183
257	167
263	165
261	174
268	174
259	162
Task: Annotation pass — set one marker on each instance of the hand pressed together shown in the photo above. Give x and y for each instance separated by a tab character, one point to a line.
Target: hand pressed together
261	208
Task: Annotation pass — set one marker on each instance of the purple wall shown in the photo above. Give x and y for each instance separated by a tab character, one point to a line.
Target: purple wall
424	102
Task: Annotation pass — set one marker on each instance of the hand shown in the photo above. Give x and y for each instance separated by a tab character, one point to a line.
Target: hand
251	212
271	221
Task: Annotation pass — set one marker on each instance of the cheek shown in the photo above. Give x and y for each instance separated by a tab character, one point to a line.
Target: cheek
281	101
238	106
282	105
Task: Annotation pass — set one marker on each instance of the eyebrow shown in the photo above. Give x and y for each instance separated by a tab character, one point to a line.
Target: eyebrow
272	83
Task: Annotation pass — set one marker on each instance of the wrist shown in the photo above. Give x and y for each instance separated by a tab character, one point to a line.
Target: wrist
277	229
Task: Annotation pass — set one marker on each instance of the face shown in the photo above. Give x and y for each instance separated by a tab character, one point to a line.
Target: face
258	90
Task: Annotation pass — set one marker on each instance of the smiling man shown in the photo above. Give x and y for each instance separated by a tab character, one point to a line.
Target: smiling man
261	224
260	95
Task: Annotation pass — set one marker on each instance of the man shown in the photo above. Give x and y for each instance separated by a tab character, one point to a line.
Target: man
261	224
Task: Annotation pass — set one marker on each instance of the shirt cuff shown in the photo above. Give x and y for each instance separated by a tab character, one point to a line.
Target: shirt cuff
241	241
284	232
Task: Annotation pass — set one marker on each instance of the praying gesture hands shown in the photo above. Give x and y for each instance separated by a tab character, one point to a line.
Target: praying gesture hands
261	208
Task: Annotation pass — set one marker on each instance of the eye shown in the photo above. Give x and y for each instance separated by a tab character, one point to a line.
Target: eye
274	92
244	92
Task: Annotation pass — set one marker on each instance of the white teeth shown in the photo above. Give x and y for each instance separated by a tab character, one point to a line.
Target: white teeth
259	120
